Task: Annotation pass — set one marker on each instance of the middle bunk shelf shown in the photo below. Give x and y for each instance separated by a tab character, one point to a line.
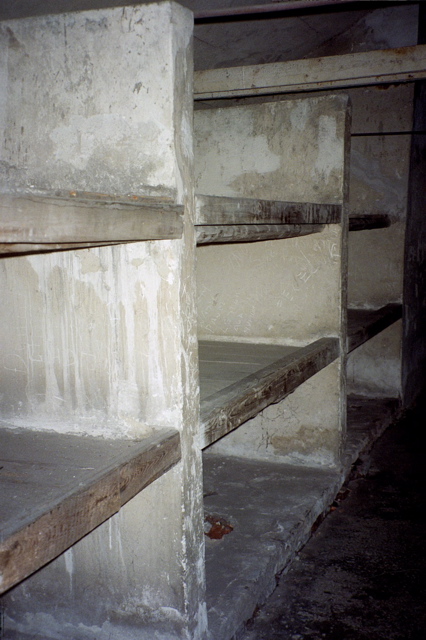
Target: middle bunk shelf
229	219
238	380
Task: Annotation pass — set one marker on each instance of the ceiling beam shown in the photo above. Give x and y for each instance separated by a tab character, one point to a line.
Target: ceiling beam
383	66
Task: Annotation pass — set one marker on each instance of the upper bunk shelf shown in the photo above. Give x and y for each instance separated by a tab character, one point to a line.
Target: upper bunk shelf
363	324
56	488
223	210
226	219
238	380
77	220
370	221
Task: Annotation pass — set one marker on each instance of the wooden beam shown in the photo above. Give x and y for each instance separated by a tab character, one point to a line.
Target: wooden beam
363	324
221	234
383	66
71	222
218	210
226	409
11	249
369	221
56	488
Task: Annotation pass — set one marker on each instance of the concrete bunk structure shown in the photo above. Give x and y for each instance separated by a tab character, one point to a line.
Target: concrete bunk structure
184	291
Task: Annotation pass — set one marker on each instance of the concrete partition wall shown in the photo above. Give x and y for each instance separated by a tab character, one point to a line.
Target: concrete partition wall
290	291
102	341
379	184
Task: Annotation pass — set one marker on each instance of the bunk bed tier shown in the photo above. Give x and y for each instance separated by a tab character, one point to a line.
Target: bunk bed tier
55	488
238	380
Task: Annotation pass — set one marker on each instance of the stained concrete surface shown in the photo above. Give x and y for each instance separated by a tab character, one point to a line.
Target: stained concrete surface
362	575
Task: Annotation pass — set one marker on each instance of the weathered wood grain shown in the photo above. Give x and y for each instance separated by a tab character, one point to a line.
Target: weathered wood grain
221	234
71	222
226	409
384	66
11	249
369	221
363	324
56	488
218	210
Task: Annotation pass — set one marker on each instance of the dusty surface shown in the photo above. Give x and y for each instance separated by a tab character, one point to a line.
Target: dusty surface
362	576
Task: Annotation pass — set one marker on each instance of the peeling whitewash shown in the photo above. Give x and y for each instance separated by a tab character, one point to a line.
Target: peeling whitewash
72	123
256	151
92	334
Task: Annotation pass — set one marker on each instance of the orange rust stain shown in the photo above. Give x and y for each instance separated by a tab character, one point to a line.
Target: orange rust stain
219	527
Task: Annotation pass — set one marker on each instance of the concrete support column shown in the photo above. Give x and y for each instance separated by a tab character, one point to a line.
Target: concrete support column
102	341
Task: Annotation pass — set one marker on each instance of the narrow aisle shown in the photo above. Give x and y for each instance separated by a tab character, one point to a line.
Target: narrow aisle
362	575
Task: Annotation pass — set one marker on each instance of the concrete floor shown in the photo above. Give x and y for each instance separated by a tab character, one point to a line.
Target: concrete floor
271	509
362	575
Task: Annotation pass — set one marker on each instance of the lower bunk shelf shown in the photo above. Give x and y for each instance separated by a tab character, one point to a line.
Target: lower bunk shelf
266	512
238	380
56	488
363	324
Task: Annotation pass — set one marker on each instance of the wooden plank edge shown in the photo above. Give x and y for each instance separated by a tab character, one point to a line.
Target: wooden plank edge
221	234
39	542
341	71
380	320
224	210
40	220
279	89
369	221
226	410
13	249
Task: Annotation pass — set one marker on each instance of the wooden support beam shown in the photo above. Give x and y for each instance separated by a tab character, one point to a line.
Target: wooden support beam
29	223
218	210
363	324
227	408
383	66
221	234
369	221
56	488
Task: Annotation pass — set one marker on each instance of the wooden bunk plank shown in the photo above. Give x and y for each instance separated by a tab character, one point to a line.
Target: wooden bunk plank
220	234
218	210
238	380
71	222
11	249
56	488
363	324
383	66
369	221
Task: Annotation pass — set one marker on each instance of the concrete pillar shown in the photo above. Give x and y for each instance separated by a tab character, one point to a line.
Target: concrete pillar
102	341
